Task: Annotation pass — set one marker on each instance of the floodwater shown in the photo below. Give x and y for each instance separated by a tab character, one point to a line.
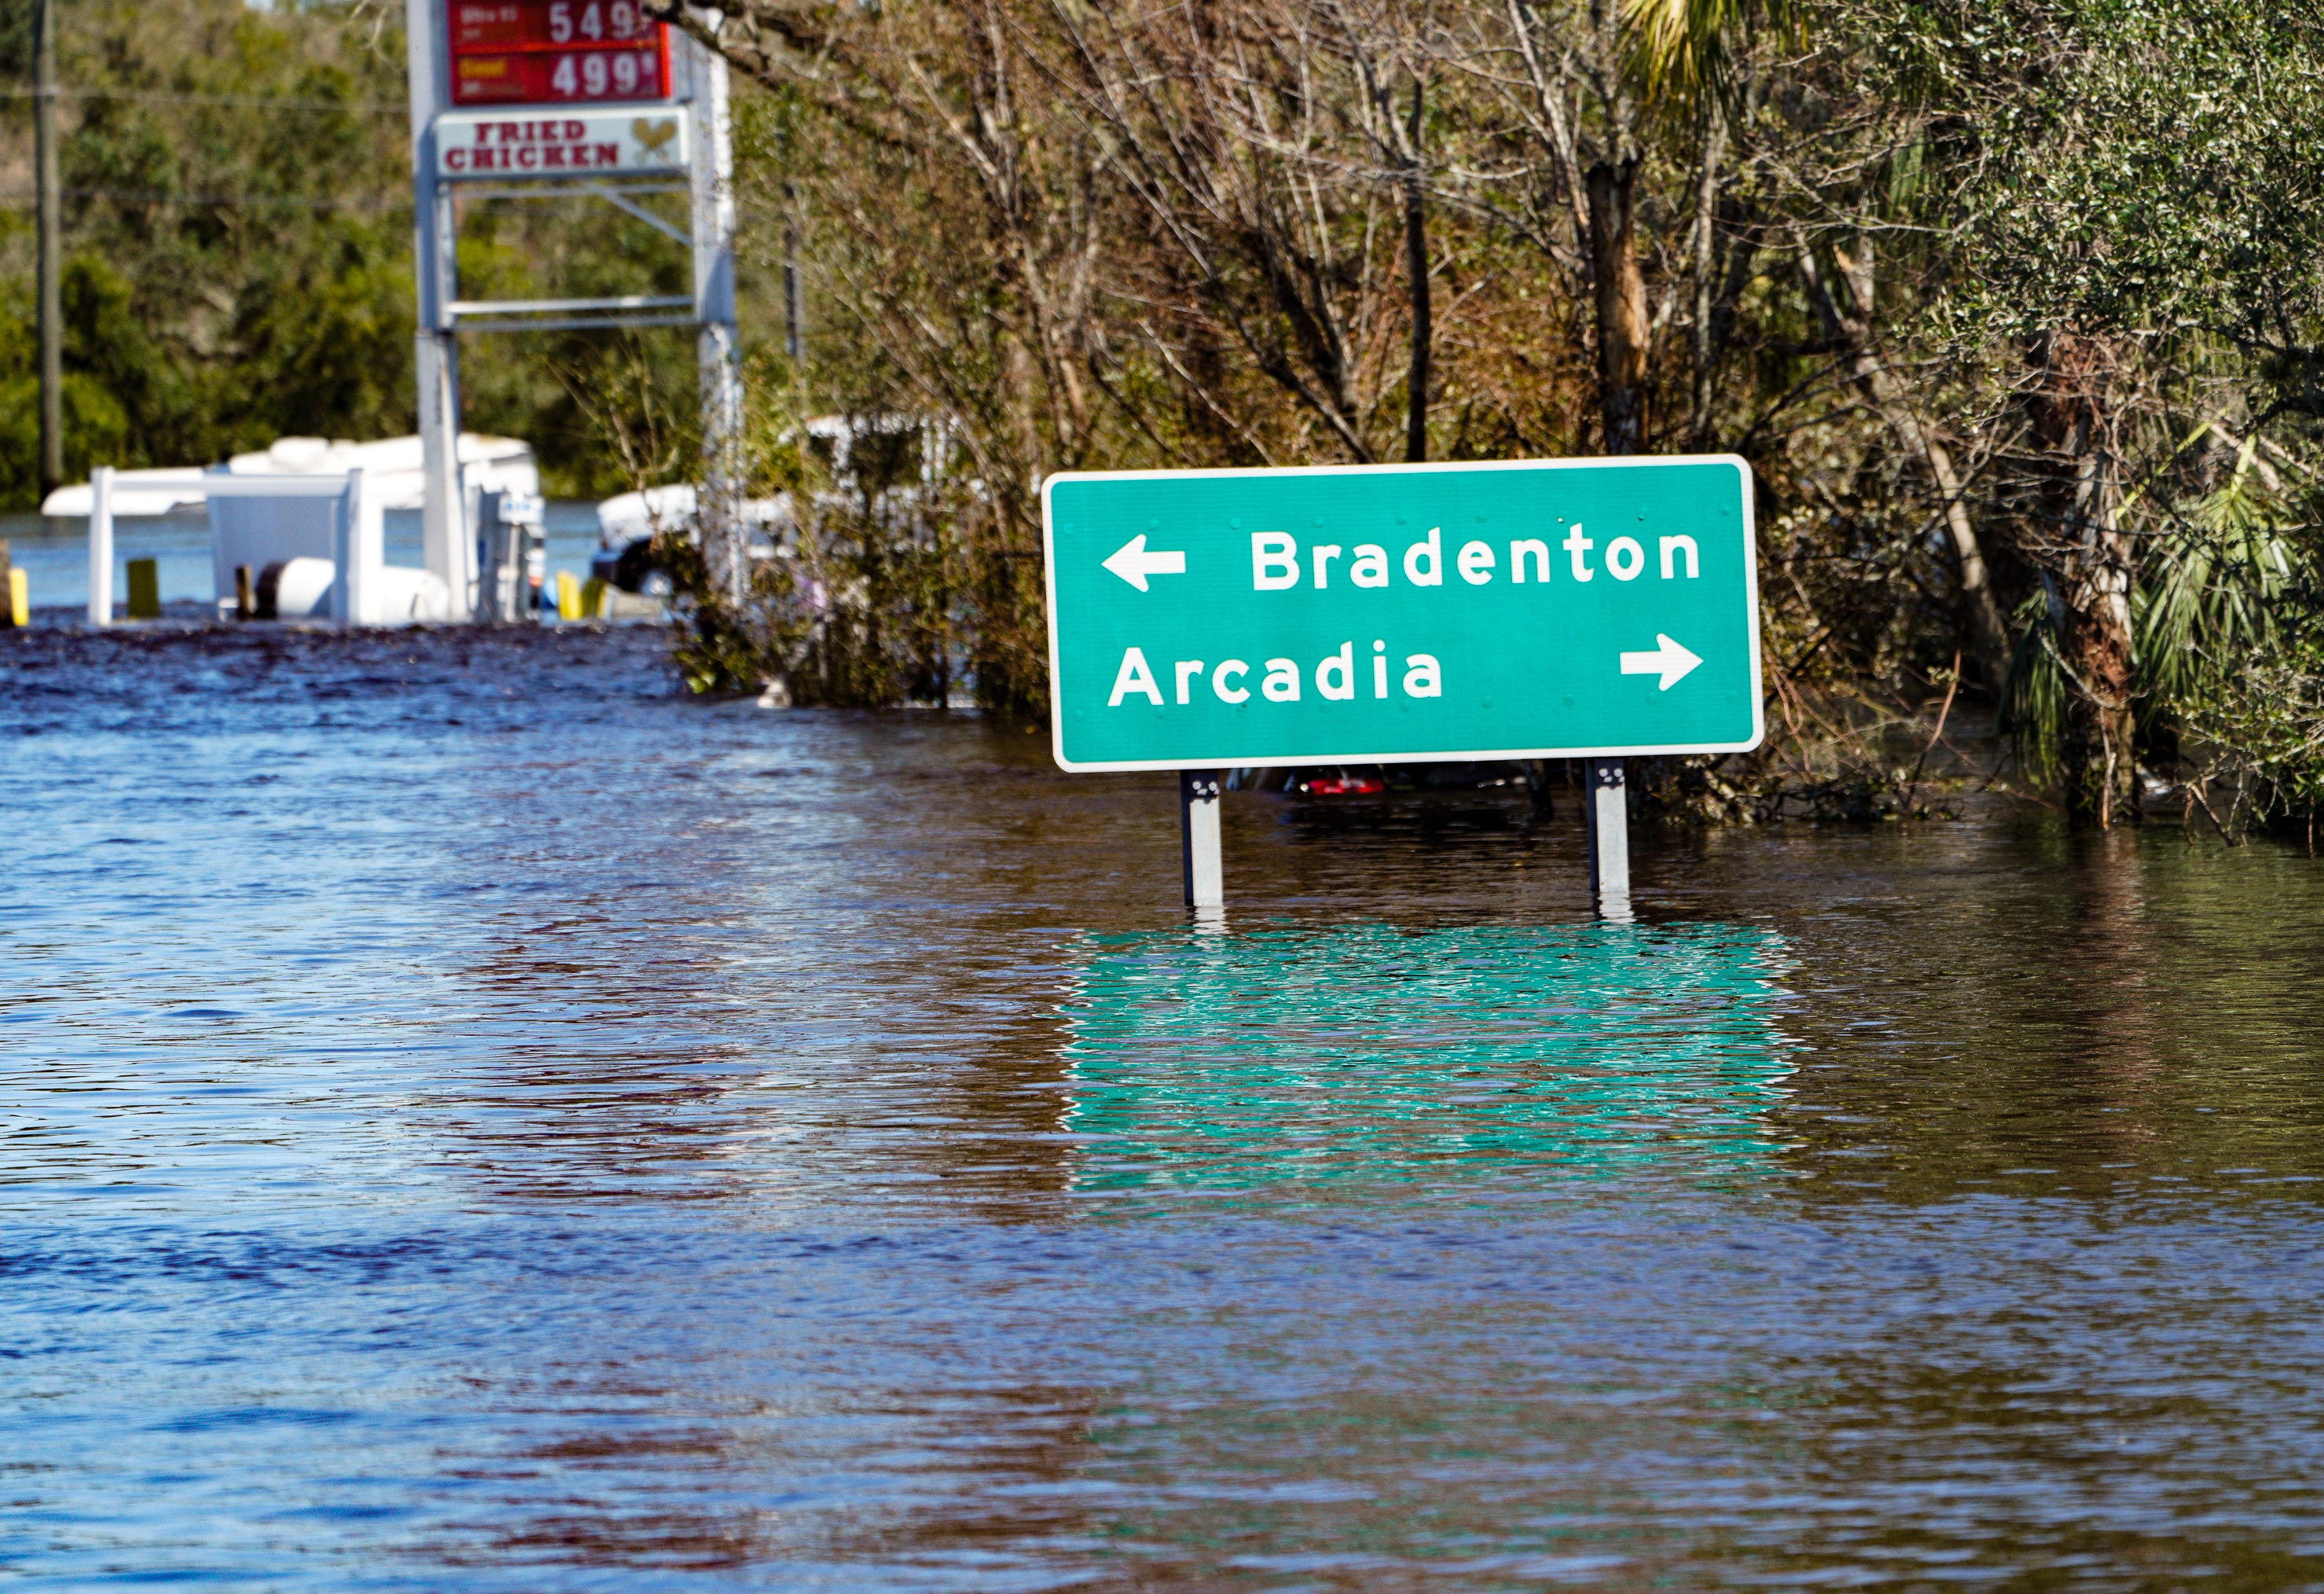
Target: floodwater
476	1120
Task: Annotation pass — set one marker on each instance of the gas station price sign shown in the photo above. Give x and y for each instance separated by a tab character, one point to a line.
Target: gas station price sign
507	52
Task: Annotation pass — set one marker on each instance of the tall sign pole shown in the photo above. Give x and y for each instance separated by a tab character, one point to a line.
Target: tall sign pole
720	503
446	546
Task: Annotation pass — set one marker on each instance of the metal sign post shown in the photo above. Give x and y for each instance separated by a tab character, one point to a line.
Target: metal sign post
1198	834
1608	813
1525	608
443	528
550	98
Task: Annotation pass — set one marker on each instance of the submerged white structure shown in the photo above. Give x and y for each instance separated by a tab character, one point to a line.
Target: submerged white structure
314	547
654	509
304	518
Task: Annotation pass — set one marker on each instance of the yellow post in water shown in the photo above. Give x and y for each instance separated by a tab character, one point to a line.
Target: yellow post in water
569	596
144	589
20	597
593	599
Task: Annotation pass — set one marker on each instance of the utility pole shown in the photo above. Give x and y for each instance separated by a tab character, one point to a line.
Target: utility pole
51	247
793	289
719	507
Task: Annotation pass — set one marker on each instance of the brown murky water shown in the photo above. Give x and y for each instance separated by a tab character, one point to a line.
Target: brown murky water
475	1119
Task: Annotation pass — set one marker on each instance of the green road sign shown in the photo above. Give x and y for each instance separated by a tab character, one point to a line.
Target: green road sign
1402	613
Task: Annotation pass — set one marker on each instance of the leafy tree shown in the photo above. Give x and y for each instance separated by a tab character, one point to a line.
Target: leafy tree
2130	254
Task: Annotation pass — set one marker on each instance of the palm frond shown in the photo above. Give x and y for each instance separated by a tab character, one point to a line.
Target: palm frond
2214	585
2035	692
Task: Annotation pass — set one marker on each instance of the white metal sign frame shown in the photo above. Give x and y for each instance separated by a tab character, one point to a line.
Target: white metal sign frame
699	95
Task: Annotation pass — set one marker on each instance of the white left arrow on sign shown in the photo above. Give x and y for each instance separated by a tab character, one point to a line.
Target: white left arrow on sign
1133	564
1668	660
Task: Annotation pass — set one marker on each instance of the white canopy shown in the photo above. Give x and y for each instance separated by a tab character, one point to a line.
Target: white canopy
390	468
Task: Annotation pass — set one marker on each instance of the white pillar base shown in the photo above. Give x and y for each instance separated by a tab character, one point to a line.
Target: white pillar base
100	546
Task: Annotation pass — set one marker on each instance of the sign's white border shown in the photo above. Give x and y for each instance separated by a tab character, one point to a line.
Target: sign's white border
1626	750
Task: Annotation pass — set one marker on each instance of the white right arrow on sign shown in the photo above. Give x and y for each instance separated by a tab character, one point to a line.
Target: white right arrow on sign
1668	660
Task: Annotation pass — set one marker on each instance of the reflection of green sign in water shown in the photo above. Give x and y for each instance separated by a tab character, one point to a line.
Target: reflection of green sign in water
1199	619
1374	1054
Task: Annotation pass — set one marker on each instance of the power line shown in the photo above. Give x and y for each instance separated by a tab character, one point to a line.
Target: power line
263	102
252	201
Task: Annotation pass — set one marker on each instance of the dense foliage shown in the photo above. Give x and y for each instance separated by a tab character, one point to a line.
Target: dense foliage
2013	305
232	273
